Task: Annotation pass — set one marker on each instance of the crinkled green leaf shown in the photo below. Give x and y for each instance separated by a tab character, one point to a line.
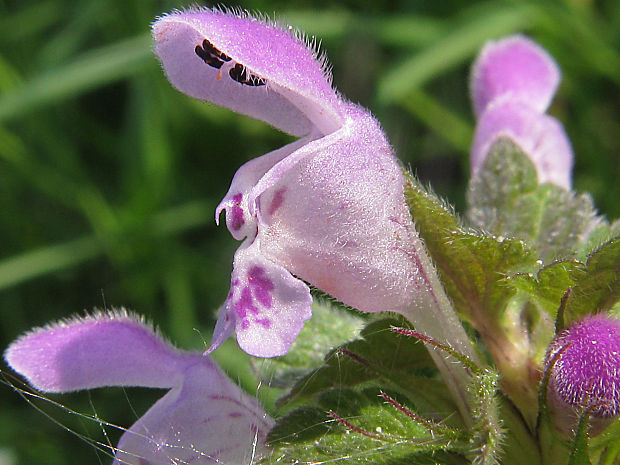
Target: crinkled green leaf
394	361
598	288
328	328
363	429
547	288
506	199
473	268
472	265
594	286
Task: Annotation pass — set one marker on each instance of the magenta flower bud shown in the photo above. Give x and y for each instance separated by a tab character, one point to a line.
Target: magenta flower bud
512	83
203	419
327	209
584	364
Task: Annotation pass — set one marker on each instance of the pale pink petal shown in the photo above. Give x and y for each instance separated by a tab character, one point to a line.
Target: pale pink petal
517	68
338	220
267	304
240	218
208	420
249	65
541	137
104	349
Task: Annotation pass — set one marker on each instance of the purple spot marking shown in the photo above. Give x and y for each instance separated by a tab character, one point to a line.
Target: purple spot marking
261	285
245	324
237	213
276	202
245	304
264	322
235	414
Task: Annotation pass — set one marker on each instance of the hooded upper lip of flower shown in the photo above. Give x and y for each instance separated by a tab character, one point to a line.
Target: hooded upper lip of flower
203	418
328	207
512	84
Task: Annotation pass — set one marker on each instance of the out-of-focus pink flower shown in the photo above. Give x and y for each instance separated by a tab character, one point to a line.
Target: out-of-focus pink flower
204	418
512	84
327	209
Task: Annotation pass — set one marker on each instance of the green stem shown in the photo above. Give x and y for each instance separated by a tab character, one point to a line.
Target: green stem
435	317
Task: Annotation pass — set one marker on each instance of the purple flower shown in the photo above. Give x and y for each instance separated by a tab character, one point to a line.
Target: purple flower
512	84
327	209
584	364
203	419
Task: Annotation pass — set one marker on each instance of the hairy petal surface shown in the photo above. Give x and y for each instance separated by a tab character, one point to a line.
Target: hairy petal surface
341	222
267	306
240	208
517	68
206	420
271	74
105	349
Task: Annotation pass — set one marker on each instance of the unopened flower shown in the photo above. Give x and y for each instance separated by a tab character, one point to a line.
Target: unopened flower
327	209
203	419
584	364
512	84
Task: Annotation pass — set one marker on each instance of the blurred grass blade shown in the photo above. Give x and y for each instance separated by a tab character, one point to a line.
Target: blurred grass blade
443	121
401	30
30	20
107	64
453	49
35	263
32	264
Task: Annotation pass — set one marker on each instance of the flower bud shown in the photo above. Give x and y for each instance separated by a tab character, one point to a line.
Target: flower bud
584	372
512	84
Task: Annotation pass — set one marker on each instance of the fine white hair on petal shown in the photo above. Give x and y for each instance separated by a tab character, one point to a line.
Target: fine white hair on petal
310	42
120	313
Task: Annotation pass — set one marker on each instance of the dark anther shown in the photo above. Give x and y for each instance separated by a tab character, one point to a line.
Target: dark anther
211	55
240	74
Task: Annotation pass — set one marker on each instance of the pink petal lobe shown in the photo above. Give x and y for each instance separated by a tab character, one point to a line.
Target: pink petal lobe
267	304
517	68
238	202
105	349
205	421
540	136
248	65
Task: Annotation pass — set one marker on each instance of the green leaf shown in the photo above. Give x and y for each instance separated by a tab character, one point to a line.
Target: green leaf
547	288
506	199
473	268
361	428
598	288
472	265
594	286
394	361
606	446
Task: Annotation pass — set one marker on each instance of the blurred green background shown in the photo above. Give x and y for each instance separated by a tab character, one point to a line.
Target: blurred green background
109	177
